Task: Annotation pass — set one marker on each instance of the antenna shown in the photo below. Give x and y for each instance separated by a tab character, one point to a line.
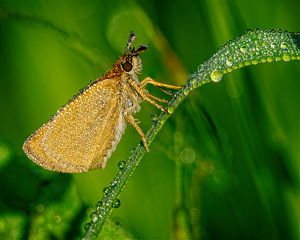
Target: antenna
131	39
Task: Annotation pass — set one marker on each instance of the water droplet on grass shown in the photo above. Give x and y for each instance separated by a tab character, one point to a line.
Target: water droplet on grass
171	110
286	58
154	117
244	49
116	203
284	46
229	62
105	190
113	184
216	76
121	165
273	45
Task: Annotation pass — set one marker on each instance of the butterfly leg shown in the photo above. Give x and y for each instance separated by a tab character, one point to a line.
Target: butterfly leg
149	80
143	92
134	122
146	96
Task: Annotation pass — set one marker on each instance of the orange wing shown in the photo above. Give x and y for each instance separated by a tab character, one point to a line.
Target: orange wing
83	134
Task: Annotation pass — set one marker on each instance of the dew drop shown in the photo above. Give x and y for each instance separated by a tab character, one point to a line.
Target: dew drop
154	117
105	190
286	58
121	165
113	184
95	219
171	110
108	203
116	203
87	226
229	62
257	47
216	76
284	46
244	49
273	45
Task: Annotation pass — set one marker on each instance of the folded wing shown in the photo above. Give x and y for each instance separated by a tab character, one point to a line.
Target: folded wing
83	134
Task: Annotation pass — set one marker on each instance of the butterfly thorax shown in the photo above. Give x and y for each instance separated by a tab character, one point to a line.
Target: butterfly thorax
129	66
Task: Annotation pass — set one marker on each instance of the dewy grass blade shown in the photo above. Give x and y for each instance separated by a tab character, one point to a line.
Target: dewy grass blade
258	46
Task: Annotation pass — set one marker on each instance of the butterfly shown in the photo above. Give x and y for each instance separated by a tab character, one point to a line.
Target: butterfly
83	134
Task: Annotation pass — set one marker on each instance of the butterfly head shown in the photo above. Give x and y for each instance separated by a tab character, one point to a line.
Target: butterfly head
130	62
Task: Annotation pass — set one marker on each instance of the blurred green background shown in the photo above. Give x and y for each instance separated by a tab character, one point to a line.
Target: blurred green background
226	164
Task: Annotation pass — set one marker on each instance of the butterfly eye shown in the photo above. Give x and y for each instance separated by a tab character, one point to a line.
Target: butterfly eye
127	66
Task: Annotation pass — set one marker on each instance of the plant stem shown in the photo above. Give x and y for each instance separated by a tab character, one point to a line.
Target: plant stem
258	46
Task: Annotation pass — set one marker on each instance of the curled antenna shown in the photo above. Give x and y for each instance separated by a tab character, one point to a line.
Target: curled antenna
131	39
